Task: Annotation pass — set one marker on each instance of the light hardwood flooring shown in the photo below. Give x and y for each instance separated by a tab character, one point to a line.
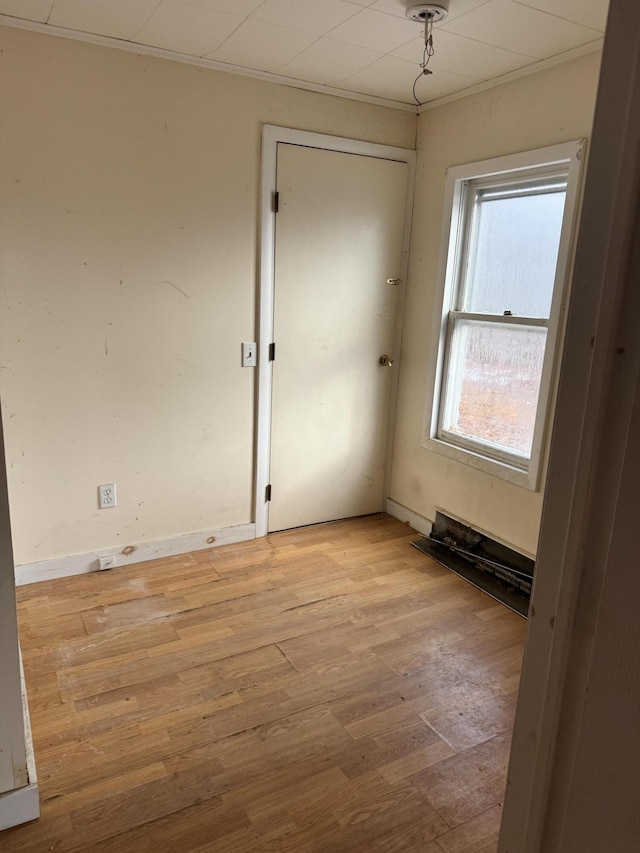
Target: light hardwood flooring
323	689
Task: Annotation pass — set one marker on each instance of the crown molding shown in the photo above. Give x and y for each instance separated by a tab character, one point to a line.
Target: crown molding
526	71
281	80
200	62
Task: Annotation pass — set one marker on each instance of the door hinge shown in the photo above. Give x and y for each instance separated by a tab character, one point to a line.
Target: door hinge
276	202
267	495
272	352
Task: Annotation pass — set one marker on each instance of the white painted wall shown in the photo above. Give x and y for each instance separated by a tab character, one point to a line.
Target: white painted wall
544	109
129	214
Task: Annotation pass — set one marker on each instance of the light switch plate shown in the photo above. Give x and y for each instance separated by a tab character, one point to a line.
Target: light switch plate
249	354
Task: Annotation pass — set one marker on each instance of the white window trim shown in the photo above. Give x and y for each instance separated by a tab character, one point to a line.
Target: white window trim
571	155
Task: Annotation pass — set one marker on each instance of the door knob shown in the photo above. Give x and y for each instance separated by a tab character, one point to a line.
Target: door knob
385	361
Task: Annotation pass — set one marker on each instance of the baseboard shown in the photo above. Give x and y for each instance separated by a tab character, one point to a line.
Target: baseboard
32	776
79	564
19	806
23	804
402	513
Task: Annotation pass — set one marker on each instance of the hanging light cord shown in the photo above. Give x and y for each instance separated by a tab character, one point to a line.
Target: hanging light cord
426	55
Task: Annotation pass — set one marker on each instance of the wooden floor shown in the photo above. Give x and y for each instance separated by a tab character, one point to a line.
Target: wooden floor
325	689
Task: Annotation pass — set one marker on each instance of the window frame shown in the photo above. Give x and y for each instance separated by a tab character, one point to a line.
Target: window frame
462	185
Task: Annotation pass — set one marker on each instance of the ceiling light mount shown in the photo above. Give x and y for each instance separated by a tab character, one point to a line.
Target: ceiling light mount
424	12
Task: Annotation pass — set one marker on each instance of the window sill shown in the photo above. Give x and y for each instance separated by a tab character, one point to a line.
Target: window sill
517	476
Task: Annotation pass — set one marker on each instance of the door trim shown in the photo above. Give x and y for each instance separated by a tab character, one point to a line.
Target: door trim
271	136
586	467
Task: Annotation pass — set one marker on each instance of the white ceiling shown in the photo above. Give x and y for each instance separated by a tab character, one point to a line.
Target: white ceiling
358	48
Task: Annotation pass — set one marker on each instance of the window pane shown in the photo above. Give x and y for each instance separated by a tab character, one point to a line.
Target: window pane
513	253
493	384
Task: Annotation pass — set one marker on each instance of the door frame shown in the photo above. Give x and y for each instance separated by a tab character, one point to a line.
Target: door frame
586	467
272	135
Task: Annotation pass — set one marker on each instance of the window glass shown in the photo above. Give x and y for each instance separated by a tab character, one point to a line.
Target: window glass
493	384
505	255
513	250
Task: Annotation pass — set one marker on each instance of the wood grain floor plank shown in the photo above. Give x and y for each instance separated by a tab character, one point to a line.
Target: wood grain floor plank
324	689
472	717
208	826
479	835
467	784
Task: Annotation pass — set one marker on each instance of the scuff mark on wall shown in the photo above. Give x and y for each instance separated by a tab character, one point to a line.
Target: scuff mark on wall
174	286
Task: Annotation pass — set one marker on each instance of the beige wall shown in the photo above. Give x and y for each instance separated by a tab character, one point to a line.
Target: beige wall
129	207
543	109
129	190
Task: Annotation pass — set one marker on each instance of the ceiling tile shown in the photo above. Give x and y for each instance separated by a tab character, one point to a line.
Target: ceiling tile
327	61
460	55
187	29
376	31
115	18
509	25
398	7
233	7
29	10
393	78
412	51
256	44
361	2
589	13
317	18
391	7
443	83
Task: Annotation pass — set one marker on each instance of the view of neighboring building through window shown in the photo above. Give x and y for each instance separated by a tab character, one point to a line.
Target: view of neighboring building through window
505	272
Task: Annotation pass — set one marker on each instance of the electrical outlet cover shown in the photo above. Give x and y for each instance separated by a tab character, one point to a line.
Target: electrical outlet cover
107	496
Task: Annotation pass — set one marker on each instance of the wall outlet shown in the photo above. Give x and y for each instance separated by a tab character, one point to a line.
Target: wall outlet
105	563
107	496
249	354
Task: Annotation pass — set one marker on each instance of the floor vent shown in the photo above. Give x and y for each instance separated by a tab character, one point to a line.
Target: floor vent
501	572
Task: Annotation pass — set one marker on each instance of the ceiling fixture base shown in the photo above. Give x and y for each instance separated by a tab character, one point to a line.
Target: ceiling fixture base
422	12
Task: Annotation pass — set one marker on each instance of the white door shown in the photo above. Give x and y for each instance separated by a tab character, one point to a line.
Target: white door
339	234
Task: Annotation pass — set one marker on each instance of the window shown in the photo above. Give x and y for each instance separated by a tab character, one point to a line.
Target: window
503	272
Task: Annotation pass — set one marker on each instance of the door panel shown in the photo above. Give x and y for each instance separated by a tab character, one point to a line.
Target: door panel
339	237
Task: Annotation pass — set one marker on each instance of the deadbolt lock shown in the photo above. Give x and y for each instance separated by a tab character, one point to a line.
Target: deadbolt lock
385	361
